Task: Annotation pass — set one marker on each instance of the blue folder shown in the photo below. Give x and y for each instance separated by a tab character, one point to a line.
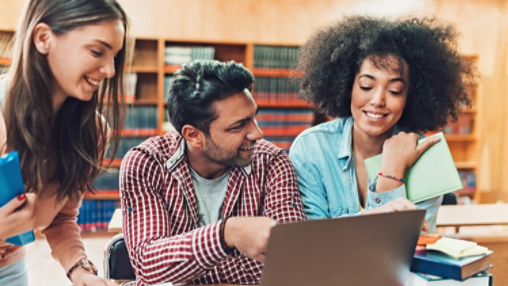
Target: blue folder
11	186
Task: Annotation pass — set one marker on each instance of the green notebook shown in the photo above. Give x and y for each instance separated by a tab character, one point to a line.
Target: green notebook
432	175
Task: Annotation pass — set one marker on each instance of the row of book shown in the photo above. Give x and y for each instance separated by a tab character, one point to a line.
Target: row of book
95	215
446	261
284	122
6	44
275	90
463	126
167	86
177	55
141	120
275	57
108	181
126	143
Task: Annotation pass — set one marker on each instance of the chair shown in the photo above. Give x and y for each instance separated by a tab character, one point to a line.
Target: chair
117	265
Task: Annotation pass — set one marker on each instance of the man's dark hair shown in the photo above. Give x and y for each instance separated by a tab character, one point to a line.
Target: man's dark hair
438	75
198	85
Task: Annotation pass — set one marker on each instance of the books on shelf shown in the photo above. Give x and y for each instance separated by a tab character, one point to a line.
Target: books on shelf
284	122
468	179
126	143
95	215
141	120
463	126
178	55
109	181
275	57
274	90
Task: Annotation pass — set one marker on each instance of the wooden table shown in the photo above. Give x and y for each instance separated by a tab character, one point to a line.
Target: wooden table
472	215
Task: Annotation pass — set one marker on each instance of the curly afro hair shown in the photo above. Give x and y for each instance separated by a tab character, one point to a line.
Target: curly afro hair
438	75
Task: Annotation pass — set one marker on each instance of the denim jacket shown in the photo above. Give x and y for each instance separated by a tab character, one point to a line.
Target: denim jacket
324	163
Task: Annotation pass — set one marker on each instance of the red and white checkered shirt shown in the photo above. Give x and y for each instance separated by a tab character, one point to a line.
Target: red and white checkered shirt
160	212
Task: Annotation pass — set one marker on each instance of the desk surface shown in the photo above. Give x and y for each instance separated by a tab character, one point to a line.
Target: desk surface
472	215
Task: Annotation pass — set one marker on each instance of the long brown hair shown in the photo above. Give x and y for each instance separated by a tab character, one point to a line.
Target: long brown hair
66	148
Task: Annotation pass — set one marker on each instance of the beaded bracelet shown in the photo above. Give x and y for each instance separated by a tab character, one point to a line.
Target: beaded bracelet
391	177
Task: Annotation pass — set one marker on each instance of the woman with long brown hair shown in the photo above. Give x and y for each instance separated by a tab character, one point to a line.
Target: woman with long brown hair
69	59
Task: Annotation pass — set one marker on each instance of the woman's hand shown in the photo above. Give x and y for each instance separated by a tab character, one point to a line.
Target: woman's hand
82	277
17	216
399	153
398	205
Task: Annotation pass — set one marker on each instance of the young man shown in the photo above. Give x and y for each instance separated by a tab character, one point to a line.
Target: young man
198	204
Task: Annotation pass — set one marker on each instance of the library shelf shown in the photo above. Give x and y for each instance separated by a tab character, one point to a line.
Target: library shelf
276	72
99	196
139	69
115	164
172	69
459	138
139	132
466	165
5	62
469	110
265	104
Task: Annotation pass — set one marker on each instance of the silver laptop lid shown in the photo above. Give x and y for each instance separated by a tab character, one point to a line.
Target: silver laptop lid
361	250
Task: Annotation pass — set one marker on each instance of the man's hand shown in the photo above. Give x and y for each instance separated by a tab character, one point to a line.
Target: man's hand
249	235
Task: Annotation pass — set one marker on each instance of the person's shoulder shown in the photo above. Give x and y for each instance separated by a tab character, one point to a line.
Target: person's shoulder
264	147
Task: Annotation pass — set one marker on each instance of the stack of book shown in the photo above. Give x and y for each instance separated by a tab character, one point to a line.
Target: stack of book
451	262
284	122
275	57
177	55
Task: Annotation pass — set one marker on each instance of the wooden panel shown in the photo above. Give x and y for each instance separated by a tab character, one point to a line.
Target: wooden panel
145	55
146	87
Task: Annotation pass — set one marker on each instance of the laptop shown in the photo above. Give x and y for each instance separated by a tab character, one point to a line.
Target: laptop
362	250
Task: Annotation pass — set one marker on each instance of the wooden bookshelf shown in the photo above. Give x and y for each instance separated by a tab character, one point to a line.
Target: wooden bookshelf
460	138
276	72
5	62
465	165
171	69
99	196
143	69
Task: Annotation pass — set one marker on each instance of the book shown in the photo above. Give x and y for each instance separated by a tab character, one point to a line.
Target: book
419	279
432	175
440	264
457	248
11	186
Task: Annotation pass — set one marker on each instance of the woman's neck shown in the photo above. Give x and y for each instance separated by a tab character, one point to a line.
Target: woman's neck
367	146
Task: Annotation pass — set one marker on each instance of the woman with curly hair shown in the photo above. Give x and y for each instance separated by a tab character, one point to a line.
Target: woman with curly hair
387	82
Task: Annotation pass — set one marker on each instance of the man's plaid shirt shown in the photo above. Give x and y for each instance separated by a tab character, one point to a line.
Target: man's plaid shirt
160	212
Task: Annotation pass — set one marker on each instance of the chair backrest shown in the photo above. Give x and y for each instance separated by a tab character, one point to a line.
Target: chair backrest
117	265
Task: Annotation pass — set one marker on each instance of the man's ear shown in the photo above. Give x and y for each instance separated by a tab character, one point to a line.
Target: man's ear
193	136
42	38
